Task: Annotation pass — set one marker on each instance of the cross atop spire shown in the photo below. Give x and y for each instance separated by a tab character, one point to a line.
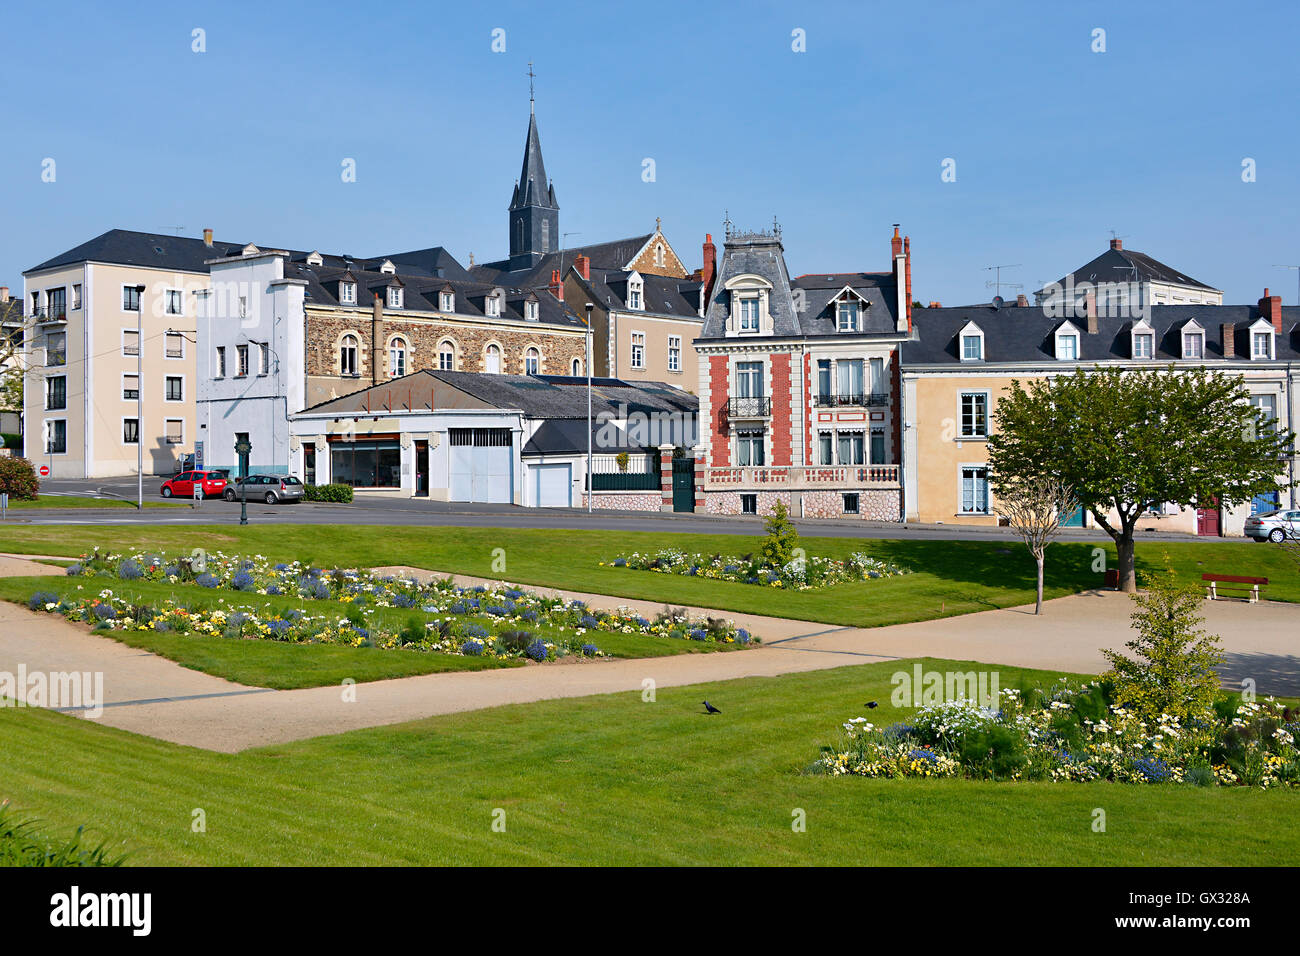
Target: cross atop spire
531	77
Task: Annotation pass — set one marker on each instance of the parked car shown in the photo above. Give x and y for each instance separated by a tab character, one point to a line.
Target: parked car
272	489
1275	526
182	485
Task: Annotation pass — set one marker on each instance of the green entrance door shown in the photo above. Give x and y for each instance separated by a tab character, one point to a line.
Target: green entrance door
683	484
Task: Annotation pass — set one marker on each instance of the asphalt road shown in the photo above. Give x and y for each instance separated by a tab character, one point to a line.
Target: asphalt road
378	510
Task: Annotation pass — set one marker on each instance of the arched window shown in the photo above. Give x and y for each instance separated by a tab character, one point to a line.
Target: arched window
447	355
396	357
659	254
348	356
577	367
492	360
532	361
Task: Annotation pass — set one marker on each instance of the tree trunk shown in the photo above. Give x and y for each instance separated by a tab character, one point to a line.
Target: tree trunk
1038	607
1124	548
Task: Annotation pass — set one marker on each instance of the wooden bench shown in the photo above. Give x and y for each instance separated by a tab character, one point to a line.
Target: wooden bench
1247	587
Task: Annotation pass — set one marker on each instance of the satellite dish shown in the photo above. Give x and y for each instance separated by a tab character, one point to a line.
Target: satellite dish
997	302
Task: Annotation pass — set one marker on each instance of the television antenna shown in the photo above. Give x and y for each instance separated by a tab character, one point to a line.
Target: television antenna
997	283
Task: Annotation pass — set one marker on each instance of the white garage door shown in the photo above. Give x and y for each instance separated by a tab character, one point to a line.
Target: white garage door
481	464
551	485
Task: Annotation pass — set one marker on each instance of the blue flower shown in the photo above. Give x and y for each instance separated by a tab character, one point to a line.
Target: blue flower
207	581
39	599
699	634
458	607
128	570
537	651
243	581
472	648
742	636
620	562
404	600
273	589
496	611
530	616
361	632
279	627
172	571
474	630
514	593
1153	769
282	567
920	753
641	622
590	650
588	621
105	612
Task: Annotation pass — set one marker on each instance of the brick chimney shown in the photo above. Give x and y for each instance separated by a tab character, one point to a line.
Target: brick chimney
4	294
557	287
936	305
1270	308
708	272
1021	301
583	265
1117	244
207	238
1090	310
907	260
895	245
376	334
1229	330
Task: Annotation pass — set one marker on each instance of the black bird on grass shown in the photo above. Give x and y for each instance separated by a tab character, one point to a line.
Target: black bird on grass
710	709
871	705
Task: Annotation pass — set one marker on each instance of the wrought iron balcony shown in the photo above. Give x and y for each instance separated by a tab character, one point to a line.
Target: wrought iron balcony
752	406
859	400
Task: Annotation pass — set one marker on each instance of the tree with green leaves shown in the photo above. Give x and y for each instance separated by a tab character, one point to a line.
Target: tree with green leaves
1173	667
778	547
1126	440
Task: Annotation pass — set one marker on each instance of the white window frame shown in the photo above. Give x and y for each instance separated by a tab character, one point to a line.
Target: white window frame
851	308
395	297
531	311
122	393
748	435
1064	334
397	353
166	438
167	337
220	362
263	358
347	293
970	331
447	347
1263	328
488	350
241	360
961	496
492	306
45	398
447	301
754	305
76	297
121	435
343	349
179	299
174	401
674	353
529	354
636	294
46	428
962	434
1142	329
637	357
125	333
140	301
1192	330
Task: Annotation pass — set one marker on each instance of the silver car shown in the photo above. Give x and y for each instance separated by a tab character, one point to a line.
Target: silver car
1275	526
273	489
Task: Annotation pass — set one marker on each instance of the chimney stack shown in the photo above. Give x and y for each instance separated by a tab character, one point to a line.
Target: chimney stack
4	294
1229	339
557	287
907	259
583	265
207	238
1270	308
708	272
1090	311
895	245
936	305
1117	244
1021	301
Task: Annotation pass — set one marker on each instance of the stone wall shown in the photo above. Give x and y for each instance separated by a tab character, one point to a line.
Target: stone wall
876	504
622	500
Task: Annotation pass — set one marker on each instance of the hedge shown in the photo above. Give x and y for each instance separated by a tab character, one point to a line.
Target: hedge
13	442
336	493
18	479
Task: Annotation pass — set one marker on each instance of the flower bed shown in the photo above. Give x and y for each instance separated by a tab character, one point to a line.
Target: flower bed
502	621
1073	733
796	575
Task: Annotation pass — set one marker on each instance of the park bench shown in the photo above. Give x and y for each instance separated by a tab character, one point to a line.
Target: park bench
1234	584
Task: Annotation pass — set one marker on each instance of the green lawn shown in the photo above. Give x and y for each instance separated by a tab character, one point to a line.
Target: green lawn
610	780
952	577
284	666
87	501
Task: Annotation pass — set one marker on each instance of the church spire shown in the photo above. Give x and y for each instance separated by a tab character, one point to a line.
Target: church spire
534	213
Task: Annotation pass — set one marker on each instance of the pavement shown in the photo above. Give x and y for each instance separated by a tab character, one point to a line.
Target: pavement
147	694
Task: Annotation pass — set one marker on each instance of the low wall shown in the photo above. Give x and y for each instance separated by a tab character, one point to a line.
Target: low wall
874	504
623	500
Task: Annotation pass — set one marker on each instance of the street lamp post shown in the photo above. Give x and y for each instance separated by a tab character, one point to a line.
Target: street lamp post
588	341
139	397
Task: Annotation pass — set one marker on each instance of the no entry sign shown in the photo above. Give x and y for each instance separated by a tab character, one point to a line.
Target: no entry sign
45	471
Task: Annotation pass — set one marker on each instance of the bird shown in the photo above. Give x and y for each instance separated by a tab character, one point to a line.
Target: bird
710	709
871	705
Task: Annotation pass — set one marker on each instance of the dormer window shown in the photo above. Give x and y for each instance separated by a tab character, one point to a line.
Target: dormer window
347	293
530	310
634	288
1193	341
492	304
749	314
394	297
971	340
447	301
1261	341
387	268
847	315
1144	340
1067	343
314	259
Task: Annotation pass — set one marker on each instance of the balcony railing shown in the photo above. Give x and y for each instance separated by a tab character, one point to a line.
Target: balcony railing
46	316
799	478
754	406
862	400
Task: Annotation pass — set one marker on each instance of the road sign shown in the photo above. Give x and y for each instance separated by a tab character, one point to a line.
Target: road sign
45	471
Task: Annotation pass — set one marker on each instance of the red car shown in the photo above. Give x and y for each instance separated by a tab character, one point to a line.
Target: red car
183	485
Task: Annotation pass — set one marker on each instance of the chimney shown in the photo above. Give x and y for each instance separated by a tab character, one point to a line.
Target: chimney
583	265
1117	244
1090	310
557	287
1021	301
708	272
1229	339
207	238
1270	307
4	294
376	333
895	245
936	305
907	259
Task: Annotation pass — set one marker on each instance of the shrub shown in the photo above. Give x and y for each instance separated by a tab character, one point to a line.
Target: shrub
778	547
516	640
13	442
413	632
337	493
18	479
39	599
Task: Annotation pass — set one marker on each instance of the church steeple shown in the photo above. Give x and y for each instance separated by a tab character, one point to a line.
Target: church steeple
534	213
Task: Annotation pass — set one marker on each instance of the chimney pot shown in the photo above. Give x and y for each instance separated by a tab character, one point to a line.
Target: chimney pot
1117	243
1270	308
207	238
708	272
896	244
936	305
557	287
1021	301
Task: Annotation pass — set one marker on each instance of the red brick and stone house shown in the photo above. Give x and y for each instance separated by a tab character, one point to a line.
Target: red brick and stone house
799	384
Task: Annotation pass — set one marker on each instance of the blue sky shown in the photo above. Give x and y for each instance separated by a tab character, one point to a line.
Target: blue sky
1055	145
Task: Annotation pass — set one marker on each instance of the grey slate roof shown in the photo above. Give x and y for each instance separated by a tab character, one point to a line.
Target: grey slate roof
1027	334
757	254
614	255
533	189
1125	265
568	436
661	295
879	289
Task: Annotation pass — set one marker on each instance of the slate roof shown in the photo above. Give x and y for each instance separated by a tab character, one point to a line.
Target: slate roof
812	313
533	189
1125	265
660	295
1026	334
612	255
568	436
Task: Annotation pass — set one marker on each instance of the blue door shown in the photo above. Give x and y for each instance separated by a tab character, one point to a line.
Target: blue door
1074	519
1261	504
